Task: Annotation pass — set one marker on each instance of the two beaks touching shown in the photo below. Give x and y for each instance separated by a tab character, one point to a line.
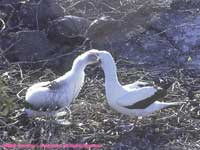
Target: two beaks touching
136	99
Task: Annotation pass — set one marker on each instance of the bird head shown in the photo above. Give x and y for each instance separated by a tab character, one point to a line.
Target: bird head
104	57
92	56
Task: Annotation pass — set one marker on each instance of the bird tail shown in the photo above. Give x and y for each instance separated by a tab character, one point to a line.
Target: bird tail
163	83
169	104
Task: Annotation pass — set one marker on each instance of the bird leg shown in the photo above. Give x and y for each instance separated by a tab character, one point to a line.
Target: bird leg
70	113
63	111
130	127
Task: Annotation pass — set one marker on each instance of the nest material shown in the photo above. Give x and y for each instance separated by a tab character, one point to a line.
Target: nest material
93	121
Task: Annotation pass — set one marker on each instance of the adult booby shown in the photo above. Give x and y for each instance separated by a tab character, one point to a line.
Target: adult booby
63	90
137	99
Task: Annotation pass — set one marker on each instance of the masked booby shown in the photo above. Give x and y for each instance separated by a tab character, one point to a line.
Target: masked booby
136	99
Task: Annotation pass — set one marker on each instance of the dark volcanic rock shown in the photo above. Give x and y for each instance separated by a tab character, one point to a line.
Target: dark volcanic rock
50	9
105	32
149	47
68	30
180	28
38	14
29	46
6	2
185	4
171	36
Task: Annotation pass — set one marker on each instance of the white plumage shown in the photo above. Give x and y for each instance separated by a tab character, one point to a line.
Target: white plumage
137	99
63	90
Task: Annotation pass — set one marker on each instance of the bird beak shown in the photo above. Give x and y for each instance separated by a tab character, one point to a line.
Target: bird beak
96	55
99	62
98	59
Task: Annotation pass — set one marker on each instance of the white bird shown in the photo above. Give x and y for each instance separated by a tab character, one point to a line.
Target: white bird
137	99
63	90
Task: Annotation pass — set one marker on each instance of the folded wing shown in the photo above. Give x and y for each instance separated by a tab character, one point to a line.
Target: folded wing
137	84
136	95
148	101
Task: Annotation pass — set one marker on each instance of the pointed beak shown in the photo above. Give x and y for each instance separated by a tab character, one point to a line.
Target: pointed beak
99	62
98	59
96	55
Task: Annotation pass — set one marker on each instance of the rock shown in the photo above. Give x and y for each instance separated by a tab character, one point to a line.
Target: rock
185	4
29	46
7	2
68	30
181	28
150	47
10	15
139	17
137	43
49	9
38	14
105	32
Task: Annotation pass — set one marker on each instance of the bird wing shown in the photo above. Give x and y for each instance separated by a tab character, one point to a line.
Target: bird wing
40	84
137	84
136	95
53	85
141	98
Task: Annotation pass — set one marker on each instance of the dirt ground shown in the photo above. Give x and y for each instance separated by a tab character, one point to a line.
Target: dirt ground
92	119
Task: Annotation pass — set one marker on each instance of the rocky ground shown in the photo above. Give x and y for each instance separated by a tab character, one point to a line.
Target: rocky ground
149	39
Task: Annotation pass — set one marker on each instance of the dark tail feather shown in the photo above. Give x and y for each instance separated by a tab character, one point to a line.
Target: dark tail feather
163	83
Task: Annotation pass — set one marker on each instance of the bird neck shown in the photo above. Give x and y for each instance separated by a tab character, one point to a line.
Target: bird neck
111	75
79	65
112	84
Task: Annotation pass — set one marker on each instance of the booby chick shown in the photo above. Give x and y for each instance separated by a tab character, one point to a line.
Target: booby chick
137	99
63	90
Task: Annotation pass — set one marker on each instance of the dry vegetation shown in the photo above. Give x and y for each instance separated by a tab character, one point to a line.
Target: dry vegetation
92	120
